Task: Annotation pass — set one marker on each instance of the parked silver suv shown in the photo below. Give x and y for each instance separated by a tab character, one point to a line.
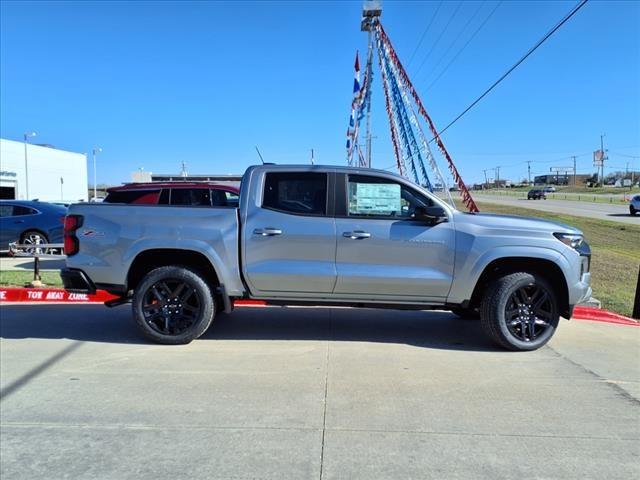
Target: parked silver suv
327	235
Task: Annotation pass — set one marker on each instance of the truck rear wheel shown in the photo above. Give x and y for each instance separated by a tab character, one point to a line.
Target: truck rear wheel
173	305
520	312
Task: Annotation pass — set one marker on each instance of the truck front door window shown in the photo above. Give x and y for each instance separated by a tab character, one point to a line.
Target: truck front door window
377	197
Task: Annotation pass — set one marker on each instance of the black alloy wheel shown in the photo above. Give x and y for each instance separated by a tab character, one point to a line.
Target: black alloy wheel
171	306
529	312
520	311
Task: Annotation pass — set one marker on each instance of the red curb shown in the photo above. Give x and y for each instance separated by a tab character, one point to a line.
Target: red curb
57	295
51	295
250	303
605	316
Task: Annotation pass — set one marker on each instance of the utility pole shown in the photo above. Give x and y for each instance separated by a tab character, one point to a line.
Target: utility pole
574	170
529	171
497	177
95	175
312	163
604	157
486	182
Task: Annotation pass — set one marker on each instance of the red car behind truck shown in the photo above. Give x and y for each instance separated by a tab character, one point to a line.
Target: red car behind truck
206	194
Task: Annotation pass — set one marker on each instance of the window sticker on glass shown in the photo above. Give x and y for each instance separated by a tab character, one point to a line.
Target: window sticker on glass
376	199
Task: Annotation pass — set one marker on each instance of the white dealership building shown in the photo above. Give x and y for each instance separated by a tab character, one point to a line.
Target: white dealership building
48	174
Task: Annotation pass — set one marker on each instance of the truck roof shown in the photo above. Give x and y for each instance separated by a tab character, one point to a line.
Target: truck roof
322	168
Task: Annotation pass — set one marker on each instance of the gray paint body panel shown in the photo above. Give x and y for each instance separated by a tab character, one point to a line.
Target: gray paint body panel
401	262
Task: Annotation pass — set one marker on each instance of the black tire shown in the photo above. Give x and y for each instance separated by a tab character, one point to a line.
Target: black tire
632	211
34	237
520	311
466	313
173	305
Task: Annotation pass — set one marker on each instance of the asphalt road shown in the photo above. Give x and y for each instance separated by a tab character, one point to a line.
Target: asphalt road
604	211
313	393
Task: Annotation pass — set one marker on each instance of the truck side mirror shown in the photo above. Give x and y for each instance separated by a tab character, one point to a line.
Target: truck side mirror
430	215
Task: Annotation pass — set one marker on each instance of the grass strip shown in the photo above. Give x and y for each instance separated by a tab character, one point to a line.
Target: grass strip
18	278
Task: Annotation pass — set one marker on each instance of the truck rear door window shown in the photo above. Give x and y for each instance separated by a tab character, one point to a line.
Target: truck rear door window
298	193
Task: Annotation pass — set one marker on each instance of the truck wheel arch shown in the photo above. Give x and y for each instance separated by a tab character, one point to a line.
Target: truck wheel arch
148	260
547	269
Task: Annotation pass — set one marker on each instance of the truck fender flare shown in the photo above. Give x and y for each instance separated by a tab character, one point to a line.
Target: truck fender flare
196	246
462	292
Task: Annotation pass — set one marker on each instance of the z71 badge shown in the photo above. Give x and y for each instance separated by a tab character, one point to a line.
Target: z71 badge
88	232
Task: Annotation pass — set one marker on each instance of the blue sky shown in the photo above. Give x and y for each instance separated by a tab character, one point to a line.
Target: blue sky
155	84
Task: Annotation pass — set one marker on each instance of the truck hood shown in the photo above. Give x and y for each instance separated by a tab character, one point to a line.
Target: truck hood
513	222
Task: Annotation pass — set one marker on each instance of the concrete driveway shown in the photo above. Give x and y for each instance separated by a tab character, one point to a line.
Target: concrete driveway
309	393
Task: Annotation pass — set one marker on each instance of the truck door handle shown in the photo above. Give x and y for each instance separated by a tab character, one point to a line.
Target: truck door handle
356	235
267	232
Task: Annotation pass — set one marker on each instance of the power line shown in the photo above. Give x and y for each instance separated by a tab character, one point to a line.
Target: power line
424	34
433	47
484	22
564	20
464	29
625	155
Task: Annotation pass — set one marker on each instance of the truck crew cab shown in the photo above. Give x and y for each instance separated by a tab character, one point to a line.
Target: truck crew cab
328	235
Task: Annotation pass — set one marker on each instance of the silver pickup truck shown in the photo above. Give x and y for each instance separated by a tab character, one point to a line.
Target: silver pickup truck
327	235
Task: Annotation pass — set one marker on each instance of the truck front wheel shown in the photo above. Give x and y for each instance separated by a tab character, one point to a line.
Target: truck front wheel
520	311
173	305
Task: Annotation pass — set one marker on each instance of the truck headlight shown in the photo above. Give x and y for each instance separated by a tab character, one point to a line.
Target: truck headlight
573	240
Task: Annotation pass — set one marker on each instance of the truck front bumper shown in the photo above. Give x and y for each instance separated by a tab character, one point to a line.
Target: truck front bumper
76	281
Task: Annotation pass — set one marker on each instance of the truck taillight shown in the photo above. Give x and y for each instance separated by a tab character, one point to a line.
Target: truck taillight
71	225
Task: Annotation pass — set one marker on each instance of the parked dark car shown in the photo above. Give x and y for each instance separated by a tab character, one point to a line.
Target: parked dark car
536	194
203	194
634	205
30	222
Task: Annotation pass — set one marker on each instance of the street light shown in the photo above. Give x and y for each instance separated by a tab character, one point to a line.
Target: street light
95	184
26	166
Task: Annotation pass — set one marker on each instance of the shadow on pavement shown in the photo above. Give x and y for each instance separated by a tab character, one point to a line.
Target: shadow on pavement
95	323
37	370
45	264
622	215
